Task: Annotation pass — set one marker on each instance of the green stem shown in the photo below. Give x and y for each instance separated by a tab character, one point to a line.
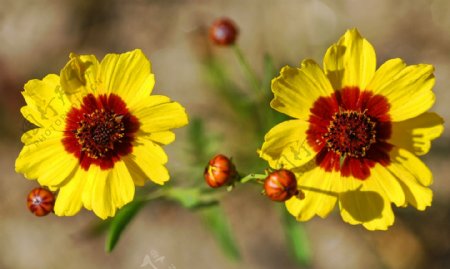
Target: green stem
260	113
156	194
257	177
251	76
312	189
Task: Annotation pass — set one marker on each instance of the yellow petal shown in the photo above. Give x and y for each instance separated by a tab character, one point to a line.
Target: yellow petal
416	194
43	160
386	183
351	62
101	192
47	104
296	89
149	101
122	185
163	138
150	158
39	135
128	75
80	77
412	165
159	114
285	145
61	168
366	207
108	190
138	176
93	174
319	199
416	134
407	88
68	201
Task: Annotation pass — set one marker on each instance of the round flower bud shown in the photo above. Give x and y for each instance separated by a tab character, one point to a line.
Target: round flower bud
40	201
220	171
280	185
223	32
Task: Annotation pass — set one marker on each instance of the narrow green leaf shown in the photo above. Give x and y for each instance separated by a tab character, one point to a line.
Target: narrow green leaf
219	79
200	145
296	238
215	220
120	222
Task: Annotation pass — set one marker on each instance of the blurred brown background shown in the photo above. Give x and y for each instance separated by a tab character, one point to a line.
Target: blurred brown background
37	37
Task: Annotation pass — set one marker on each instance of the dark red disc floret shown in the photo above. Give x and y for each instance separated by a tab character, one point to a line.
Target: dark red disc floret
101	131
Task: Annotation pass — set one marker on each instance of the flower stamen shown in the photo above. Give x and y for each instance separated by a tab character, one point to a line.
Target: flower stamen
99	132
350	133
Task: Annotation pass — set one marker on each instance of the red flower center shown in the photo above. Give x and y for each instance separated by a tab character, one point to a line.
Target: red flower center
100	131
350	133
349	130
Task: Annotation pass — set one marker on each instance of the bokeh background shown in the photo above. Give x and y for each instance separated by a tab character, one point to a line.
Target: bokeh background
37	37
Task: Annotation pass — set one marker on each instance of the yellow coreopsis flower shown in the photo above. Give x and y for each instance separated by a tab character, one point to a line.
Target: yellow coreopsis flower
356	134
100	132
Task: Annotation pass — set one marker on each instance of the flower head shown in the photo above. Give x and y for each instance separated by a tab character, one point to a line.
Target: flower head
99	132
356	133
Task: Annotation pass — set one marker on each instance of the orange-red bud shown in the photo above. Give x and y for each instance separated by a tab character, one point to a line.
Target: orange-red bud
280	185
40	201
220	171
223	32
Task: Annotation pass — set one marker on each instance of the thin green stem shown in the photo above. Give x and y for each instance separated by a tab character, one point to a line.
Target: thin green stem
249	73
260	113
312	189
156	194
257	177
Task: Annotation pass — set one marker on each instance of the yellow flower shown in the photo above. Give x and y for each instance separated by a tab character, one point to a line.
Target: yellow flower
355	135
99	132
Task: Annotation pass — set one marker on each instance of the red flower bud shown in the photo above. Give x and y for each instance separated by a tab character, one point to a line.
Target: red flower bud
281	185
223	32
220	171
40	201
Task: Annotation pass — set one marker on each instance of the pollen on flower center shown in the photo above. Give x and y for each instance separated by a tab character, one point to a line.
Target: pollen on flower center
350	133
99	132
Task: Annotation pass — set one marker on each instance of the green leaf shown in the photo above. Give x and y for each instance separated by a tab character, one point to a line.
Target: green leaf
296	238
215	220
120	222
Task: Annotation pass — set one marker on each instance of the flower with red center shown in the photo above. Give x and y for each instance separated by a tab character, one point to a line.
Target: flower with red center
99	132
355	135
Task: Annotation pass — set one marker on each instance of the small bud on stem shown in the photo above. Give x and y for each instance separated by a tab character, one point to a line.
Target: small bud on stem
223	32
280	185
220	171
40	201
